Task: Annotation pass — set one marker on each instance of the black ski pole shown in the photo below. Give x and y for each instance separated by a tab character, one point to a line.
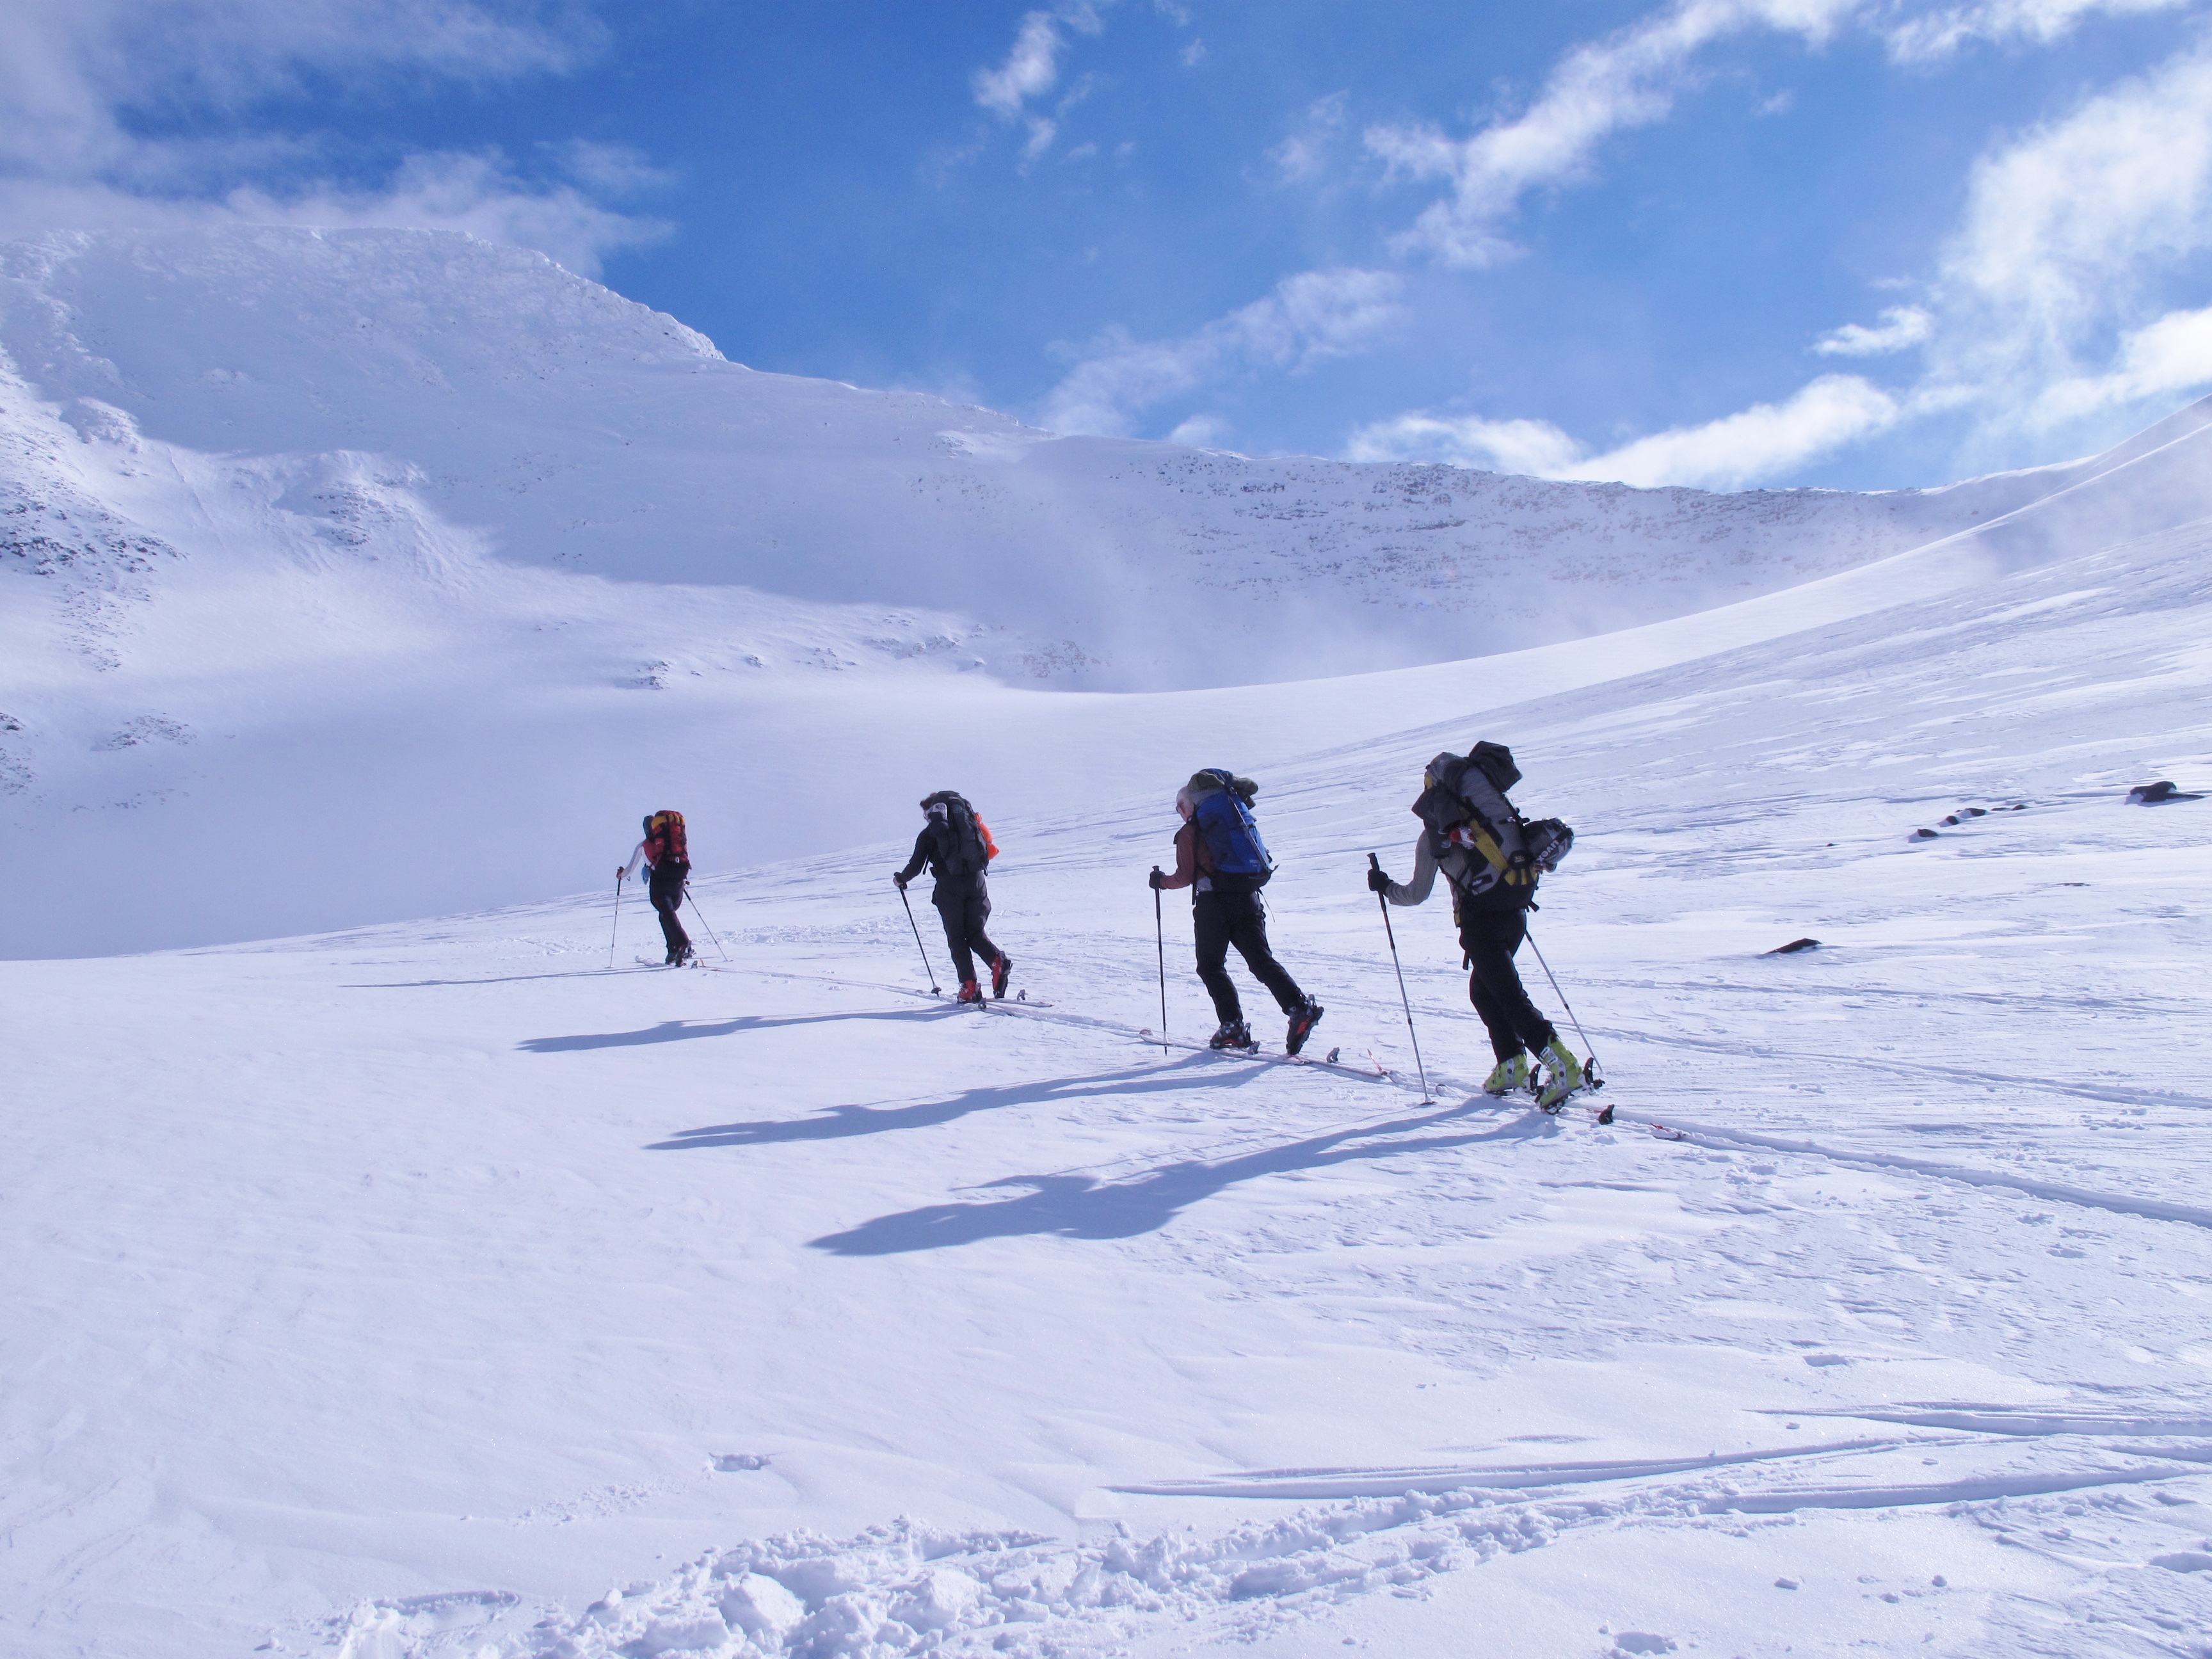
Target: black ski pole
1591	1071
1160	940
927	972
703	922
1391	933
617	929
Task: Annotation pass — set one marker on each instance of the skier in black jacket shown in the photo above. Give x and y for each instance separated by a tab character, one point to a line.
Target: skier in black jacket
958	849
1493	880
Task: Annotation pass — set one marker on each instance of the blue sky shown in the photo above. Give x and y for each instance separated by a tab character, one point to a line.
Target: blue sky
1725	243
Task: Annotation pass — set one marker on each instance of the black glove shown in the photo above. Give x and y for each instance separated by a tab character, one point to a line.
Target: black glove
898	880
1157	880
1378	880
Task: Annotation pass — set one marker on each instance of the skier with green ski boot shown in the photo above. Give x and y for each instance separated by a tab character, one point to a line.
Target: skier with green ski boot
1220	857
1493	857
665	854
957	847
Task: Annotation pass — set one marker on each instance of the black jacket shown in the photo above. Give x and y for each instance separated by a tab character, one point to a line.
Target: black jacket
934	847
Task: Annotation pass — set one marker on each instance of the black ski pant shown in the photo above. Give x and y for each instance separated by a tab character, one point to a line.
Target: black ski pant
1490	938
1220	920
964	910
666	889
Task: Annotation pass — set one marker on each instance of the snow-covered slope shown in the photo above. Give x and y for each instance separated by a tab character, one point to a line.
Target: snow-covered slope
430	1290
560	425
355	576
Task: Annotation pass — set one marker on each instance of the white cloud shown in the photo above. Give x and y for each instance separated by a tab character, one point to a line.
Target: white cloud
474	193
1941	32
1032	68
1305	154
73	73
1534	448
1629	79
1765	441
2070	234
1901	326
1200	431
1633	77
70	69
2172	354
1312	316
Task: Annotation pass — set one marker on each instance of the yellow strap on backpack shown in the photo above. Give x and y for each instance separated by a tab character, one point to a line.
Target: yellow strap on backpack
1474	835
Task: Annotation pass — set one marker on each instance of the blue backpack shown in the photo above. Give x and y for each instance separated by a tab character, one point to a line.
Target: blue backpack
1222	813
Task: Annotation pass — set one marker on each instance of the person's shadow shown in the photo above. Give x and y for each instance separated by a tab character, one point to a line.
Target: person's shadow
842	1122
677	1030
1082	1207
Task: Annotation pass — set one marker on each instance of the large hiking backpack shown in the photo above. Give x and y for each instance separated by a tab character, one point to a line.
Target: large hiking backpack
664	838
969	848
1477	836
1221	805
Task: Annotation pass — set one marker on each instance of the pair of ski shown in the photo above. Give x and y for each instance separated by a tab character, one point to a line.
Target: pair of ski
1374	1070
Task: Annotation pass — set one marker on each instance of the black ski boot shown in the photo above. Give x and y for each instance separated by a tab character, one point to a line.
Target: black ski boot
680	957
999	970
1233	1034
1302	1024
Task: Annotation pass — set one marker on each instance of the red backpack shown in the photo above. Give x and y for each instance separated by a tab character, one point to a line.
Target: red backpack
664	838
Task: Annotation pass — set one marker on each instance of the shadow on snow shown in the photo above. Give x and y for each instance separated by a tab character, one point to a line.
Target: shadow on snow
1082	1207
840	1123
676	1031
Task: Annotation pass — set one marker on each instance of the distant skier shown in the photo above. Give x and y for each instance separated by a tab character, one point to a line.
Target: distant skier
1492	858
957	847
1220	857
664	851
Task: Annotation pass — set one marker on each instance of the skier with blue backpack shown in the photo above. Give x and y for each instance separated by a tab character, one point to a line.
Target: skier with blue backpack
1220	857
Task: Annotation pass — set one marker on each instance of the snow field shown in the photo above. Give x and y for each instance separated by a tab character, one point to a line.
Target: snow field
397	1292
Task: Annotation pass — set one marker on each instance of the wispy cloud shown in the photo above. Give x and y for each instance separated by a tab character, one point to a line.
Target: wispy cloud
1742	448
1305	154
1634	78
74	74
2073	234
1628	79
1312	316
2173	353
1032	68
1944	30
1900	328
2068	231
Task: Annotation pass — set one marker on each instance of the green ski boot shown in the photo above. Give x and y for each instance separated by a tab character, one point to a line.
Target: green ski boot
1563	1075
1511	1074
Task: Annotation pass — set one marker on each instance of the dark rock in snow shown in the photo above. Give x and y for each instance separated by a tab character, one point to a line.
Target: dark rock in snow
2158	794
1793	947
